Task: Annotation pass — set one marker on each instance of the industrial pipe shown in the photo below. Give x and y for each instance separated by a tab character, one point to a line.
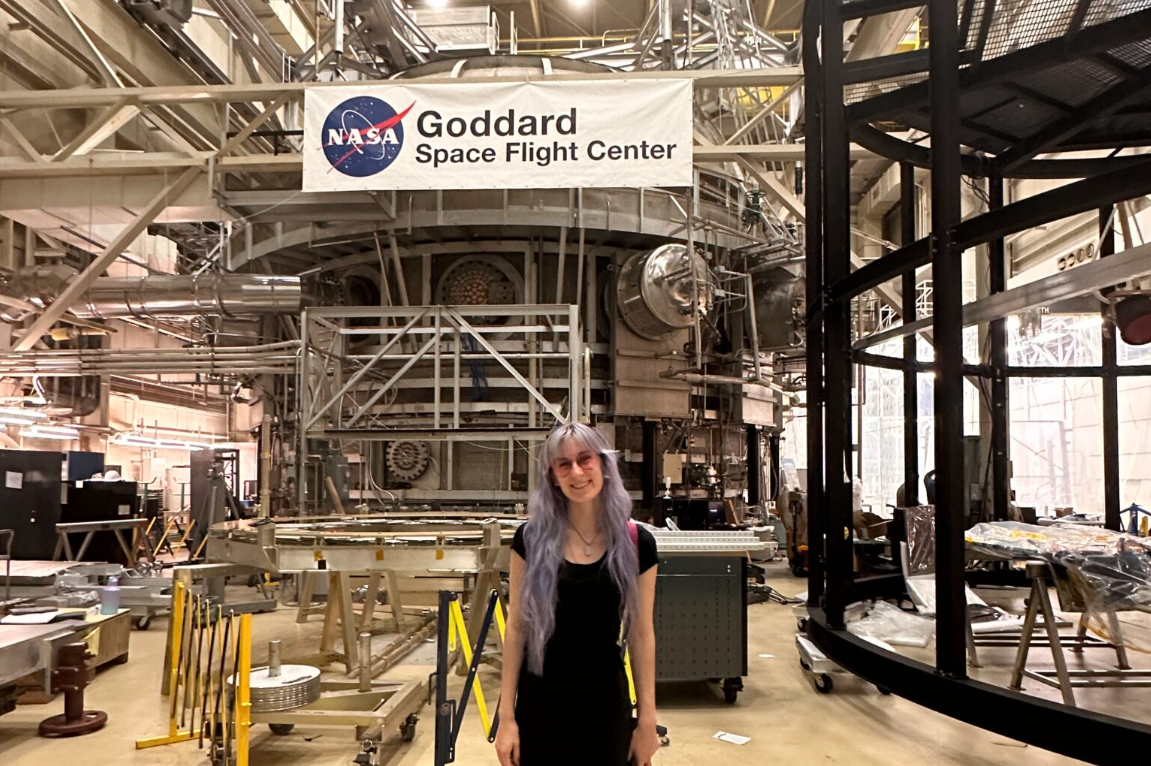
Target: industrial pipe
228	295
270	358
266	467
695	377
163	296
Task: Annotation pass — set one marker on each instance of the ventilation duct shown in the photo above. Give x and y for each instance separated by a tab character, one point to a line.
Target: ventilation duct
780	298
164	296
74	397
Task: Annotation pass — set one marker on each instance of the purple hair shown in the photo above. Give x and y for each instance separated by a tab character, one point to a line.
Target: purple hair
546	530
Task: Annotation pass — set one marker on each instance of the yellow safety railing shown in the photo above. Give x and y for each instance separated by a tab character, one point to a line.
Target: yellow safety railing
458	634
458	628
181	624
244	690
207	648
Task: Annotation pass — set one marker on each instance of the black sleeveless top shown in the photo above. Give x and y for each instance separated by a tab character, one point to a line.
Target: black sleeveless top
587	607
583	687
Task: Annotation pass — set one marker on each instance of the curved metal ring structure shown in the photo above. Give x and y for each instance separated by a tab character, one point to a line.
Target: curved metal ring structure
994	92
1078	733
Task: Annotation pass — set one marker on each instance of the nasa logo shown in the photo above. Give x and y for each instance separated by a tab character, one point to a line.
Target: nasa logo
363	136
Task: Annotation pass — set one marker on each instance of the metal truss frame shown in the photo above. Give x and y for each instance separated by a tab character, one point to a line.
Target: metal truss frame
832	287
221	156
340	386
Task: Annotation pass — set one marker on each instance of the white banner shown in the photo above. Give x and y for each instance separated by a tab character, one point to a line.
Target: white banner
577	134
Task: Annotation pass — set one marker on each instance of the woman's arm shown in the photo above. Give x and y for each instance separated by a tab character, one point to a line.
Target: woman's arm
641	643
507	738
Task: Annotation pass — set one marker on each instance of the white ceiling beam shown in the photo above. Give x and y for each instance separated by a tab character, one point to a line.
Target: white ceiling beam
79	284
22	143
98	130
160	162
191	95
106	69
536	20
62	38
138	54
880	35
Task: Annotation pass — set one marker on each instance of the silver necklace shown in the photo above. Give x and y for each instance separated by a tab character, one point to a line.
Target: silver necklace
587	544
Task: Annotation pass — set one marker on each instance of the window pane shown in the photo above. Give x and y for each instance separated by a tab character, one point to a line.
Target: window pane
1132	354
1135	442
1057	443
1054	340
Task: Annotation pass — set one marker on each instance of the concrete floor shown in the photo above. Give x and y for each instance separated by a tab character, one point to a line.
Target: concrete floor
788	722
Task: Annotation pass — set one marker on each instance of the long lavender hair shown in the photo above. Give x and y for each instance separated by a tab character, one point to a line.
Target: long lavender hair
546	531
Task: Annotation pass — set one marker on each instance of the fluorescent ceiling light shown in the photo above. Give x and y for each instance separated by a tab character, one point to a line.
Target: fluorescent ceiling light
14	421
50	432
20	415
135	440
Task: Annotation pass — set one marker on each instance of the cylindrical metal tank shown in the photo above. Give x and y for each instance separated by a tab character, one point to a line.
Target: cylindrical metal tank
659	291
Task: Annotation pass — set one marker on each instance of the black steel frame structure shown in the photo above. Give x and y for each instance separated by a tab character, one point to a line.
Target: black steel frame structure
989	112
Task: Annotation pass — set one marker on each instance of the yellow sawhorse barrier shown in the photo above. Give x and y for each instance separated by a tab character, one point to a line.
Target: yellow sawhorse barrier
207	649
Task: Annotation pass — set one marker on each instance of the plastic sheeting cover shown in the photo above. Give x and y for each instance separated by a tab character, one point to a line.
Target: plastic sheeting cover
1106	571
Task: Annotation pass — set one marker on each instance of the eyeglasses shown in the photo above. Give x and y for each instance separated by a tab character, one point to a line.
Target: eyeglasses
586	461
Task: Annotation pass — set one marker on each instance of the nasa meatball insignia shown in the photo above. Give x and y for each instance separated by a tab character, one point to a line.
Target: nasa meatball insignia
363	136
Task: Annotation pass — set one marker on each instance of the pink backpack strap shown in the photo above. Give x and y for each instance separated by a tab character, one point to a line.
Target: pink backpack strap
633	533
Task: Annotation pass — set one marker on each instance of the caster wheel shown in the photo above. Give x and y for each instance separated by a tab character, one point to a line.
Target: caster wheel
408	729
665	741
799	570
143	621
804	665
884	692
823	683
731	689
801	624
280	729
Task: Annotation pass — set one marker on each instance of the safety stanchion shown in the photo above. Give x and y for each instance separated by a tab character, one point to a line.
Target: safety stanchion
209	677
185	625
243	707
452	630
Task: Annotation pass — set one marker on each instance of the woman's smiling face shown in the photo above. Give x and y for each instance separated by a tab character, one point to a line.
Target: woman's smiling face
578	472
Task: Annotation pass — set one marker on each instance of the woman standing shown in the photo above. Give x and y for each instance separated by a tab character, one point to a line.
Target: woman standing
579	571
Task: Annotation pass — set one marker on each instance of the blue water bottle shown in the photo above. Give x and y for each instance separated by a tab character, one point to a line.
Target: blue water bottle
110	597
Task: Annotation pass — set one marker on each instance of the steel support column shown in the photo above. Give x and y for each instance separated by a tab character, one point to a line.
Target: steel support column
754	466
947	272
837	322
1110	387
1000	416
649	470
813	202
907	200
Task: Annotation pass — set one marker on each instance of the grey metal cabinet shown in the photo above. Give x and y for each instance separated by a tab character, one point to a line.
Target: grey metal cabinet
701	619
